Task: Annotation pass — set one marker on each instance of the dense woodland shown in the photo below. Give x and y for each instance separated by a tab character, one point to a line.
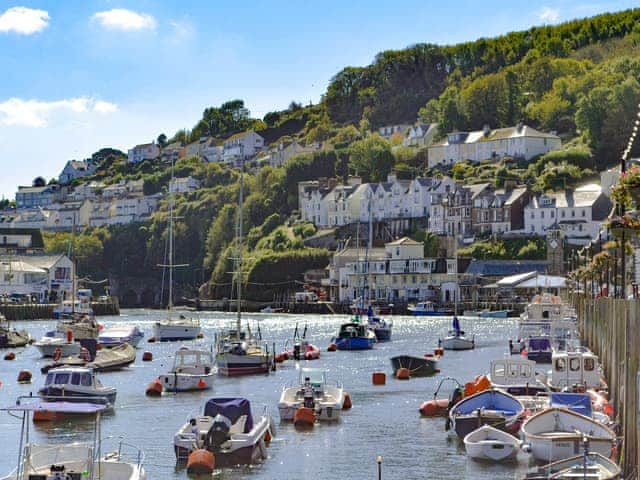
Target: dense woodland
579	79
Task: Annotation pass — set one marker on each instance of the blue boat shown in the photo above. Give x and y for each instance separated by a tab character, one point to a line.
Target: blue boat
381	328
354	336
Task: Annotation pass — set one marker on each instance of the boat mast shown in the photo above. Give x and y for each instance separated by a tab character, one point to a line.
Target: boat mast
171	198
369	247
73	266
240	219
455	291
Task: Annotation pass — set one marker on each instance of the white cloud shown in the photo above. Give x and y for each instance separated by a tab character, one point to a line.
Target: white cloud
35	113
549	15
122	19
23	20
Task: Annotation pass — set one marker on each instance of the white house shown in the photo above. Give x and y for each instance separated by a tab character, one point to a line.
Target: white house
119	211
123	188
420	135
36	218
284	152
145	151
38	275
242	146
389	131
578	212
337	205
32	197
86	191
183	185
519	141
75	169
311	200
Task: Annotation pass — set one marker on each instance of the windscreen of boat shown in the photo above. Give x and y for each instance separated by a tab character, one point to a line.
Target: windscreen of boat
187	359
539	344
316	377
61	378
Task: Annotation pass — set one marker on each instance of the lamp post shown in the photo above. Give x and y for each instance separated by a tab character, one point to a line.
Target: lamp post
379	467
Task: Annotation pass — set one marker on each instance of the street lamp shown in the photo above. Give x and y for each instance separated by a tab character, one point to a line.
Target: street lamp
379	467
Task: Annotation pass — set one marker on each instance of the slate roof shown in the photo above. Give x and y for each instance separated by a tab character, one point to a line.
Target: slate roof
498	134
503	268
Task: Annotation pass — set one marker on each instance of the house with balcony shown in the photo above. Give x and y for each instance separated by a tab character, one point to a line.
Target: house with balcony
311	200
498	211
20	241
145	151
67	215
242	146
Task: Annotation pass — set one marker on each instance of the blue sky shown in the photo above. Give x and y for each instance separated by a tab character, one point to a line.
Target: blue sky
79	75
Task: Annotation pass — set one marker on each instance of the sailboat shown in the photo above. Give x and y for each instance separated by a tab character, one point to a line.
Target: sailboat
181	328
456	338
238	353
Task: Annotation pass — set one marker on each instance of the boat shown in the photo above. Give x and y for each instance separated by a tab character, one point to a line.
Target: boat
57	345
581	403
10	337
577	366
418	366
172	329
592	466
302	349
489	407
354	336
486	313
228	429
102	360
192	370
314	392
378	307
81	326
118	334
538	349
380	327
489	443
428	309
72	461
556	433
547	315
270	309
457	339
517	377
439	407
70	308
76	384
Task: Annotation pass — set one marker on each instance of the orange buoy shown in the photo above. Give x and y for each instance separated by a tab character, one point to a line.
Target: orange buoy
10	356
403	374
281	357
69	336
200	335
379	378
24	376
439	351
428	355
151	339
332	347
304	417
147	356
154	389
43	416
346	404
202	384
201	462
434	408
267	437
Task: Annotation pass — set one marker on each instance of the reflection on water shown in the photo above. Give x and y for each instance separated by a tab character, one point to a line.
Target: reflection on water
384	420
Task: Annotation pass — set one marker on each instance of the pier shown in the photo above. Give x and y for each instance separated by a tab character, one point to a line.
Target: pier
611	328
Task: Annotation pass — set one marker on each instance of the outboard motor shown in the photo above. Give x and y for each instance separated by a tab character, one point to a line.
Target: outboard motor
218	434
296	351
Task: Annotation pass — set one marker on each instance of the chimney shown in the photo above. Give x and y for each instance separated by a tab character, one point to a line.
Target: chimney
486	130
354	181
519	127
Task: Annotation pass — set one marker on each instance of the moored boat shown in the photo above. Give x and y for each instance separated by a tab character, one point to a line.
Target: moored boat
577	366
192	370
118	334
81	325
176	329
486	313
10	337
539	349
380	327
76	384
489	443
100	360
516	376
424	366
354	336
56	345
457	339
592	466
428	309
314	392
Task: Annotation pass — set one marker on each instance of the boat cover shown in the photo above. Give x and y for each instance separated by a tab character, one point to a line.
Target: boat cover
576	402
232	408
539	344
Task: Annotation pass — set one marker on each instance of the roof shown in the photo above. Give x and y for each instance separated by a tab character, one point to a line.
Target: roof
144	145
33	189
584	196
41	261
499	134
240	135
532	280
403	241
477	189
501	268
22	267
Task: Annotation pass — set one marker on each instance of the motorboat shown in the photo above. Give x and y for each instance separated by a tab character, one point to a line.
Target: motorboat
10	337
81	326
235	356
105	359
354	336
72	461
376	307
489	407
76	384
314	392
70	308
516	376
457	339
57	344
301	349
118	334
176	329
589	465
192	370
539	349
486	313
228	429
380	327
556	434
489	443
577	366
422	309
547	315
424	366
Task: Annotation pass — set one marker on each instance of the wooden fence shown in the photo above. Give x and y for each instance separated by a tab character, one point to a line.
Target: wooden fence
611	328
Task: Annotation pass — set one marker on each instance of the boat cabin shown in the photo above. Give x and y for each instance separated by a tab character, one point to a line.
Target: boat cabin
576	367
348	330
78	376
192	361
516	376
317	377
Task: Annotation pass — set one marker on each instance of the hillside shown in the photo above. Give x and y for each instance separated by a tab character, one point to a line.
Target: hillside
578	78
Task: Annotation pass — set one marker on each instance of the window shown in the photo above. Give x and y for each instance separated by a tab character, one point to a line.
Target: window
573	213
49	379
542	214
589	364
514	370
552	213
574	364
498	370
62	378
584	213
562	214
86	380
533	214
75	378
560	364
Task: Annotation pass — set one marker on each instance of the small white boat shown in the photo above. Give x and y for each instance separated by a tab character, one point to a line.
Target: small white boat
312	391
192	370
118	334
486	313
57	344
557	433
76	384
105	359
69	309
592	466
488	443
176	329
457	339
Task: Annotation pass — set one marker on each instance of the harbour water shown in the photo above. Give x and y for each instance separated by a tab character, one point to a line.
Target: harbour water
384	420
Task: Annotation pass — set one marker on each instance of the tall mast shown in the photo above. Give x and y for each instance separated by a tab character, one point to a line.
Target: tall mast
369	247
240	219
171	193
73	266
455	292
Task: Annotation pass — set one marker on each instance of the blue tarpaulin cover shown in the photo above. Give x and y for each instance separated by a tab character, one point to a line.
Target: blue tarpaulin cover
539	344
576	402
232	408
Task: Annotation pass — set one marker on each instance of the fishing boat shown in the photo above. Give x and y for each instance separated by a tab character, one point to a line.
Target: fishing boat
354	336
314	392
72	461
428	309
57	345
118	334
577	366
106	359
424	366
457	339
489	443
192	370
228	430
486	313
516	377
538	349
76	384
592	466
10	337
557	433
172	328
489	407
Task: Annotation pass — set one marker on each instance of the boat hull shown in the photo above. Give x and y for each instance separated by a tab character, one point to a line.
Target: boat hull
72	395
426	313
489	407
418	366
49	349
180	382
488	443
173	333
354	343
232	365
457	343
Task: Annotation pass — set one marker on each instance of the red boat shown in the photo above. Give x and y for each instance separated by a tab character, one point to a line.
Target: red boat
303	351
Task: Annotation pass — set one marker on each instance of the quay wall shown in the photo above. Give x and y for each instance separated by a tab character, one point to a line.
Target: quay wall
37	311
611	328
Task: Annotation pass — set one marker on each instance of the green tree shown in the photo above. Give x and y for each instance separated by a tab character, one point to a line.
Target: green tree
371	158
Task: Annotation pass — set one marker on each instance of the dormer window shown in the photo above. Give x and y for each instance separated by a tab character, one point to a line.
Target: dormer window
545	202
